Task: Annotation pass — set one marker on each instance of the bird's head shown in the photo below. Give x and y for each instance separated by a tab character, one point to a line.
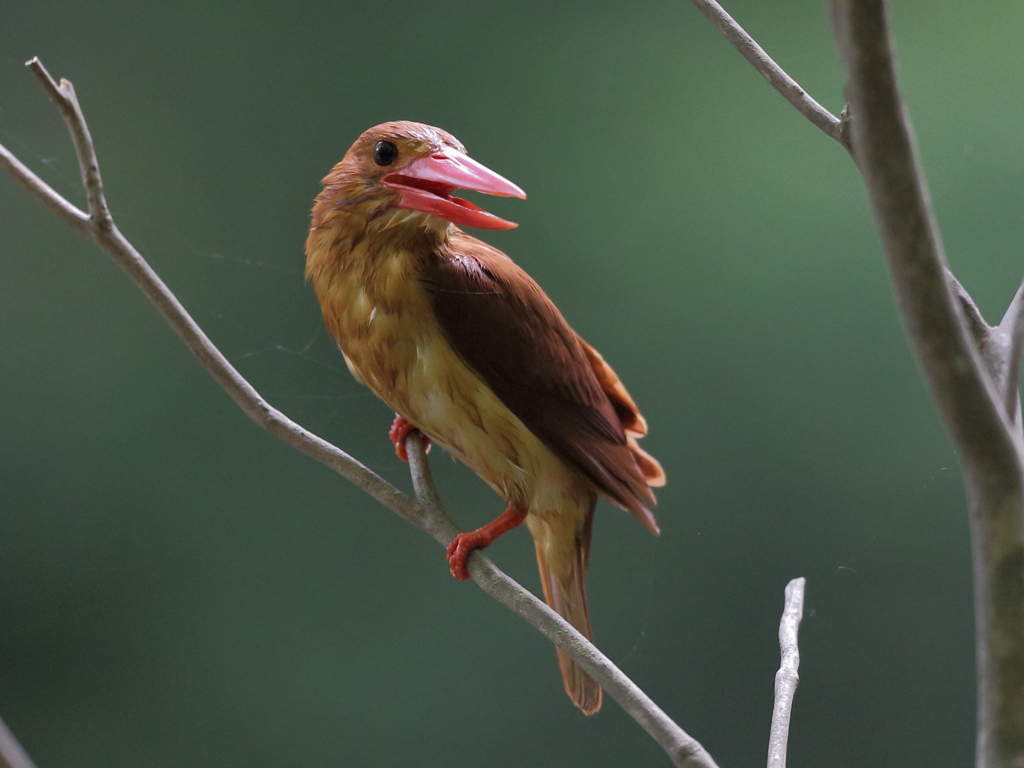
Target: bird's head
403	173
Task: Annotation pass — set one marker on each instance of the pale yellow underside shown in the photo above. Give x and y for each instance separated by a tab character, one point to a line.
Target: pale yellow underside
393	344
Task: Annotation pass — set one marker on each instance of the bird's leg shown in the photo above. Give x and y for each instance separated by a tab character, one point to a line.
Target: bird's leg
400	428
464	544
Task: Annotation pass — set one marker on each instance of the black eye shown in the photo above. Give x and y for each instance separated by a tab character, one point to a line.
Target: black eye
384	153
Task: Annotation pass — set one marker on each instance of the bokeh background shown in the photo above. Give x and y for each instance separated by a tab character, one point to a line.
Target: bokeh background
179	588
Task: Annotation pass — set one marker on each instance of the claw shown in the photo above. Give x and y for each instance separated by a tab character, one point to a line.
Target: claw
463	544
460	549
400	429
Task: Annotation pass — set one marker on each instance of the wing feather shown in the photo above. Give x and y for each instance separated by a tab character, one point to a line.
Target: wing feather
513	337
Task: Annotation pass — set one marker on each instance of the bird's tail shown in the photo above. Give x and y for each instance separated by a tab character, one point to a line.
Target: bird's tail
565	591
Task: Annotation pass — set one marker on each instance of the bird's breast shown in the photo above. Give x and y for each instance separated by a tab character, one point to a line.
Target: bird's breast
380	314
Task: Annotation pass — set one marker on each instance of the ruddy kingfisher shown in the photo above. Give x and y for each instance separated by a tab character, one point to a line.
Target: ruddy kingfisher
466	348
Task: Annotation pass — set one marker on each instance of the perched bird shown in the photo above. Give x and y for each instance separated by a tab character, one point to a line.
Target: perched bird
466	348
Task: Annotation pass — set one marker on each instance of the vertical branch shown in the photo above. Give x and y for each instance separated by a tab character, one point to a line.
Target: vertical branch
970	404
787	678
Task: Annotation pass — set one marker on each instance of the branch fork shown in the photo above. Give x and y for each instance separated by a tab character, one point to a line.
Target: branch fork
972	368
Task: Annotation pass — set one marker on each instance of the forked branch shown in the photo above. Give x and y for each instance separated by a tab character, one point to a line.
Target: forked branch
63	95
975	411
972	369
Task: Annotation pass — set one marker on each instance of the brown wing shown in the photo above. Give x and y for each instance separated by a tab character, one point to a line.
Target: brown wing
514	338
632	420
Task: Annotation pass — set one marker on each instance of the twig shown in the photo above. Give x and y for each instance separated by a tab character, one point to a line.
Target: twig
42	192
64	97
772	72
971	406
787	678
427	514
683	749
12	755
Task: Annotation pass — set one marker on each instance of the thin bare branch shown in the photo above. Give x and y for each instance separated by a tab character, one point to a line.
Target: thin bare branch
772	72
42	192
427	514
64	97
12	754
883	147
438	524
787	678
683	749
243	393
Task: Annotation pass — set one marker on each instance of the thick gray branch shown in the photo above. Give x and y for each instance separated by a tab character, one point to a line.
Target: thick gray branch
426	514
772	72
787	678
970	403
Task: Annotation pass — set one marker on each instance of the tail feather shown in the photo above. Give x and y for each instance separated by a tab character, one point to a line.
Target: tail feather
565	591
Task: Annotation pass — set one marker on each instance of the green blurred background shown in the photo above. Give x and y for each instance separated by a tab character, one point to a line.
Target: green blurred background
177	587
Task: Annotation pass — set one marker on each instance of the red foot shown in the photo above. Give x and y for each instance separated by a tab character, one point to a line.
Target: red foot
464	544
400	428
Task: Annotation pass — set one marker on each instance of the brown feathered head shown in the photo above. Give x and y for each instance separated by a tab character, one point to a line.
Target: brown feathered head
402	172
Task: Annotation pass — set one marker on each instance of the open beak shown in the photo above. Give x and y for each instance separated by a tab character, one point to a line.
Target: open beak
426	185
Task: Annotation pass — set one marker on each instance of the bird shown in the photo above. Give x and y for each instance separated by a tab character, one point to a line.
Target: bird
465	347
